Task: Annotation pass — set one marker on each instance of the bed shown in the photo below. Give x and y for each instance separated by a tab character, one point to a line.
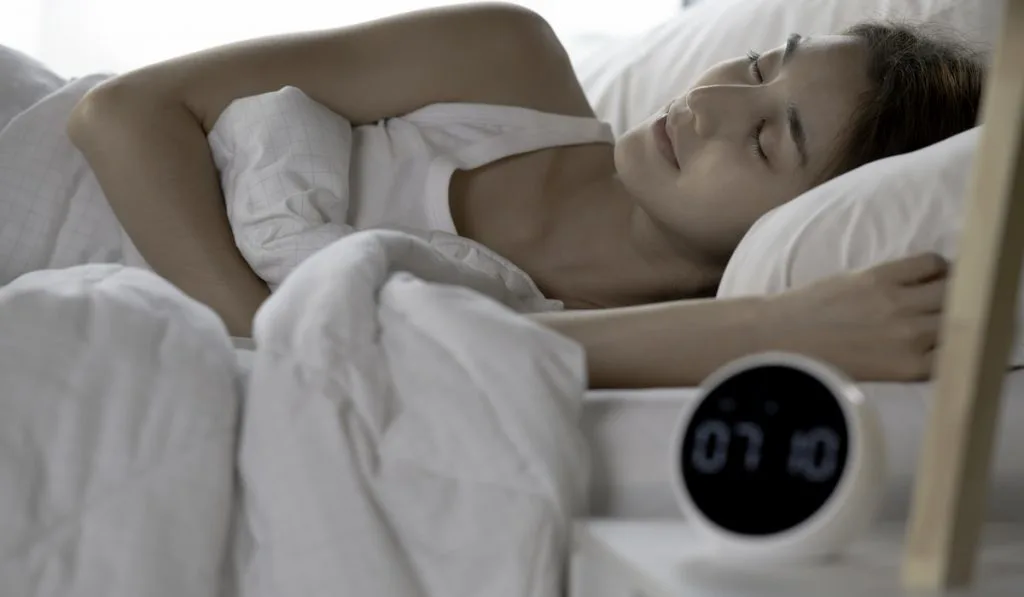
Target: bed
628	433
625	433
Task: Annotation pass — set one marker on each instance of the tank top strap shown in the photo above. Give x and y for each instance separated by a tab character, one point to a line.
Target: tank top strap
477	134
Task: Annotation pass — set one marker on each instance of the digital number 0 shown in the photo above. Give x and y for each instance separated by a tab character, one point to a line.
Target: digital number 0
710	447
814	454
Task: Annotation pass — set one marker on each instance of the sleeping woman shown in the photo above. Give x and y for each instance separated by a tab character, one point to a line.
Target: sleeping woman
630	233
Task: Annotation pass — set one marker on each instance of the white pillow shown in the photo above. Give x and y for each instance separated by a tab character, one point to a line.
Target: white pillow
629	80
884	210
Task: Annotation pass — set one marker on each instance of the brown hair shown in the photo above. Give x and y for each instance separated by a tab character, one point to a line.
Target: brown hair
925	86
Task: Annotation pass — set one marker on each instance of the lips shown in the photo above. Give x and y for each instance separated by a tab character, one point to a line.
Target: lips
663	140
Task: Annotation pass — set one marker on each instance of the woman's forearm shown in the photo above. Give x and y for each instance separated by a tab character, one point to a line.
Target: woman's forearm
153	162
667	344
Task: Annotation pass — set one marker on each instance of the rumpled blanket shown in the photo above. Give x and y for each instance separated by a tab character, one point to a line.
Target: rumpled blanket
404	433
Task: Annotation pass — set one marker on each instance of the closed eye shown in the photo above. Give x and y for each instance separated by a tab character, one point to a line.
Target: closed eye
755	65
756	141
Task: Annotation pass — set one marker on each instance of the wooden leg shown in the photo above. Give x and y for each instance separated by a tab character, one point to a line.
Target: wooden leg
978	328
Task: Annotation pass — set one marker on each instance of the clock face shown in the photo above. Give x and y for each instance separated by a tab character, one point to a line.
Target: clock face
764	450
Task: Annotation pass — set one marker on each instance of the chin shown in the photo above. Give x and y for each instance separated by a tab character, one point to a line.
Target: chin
639	165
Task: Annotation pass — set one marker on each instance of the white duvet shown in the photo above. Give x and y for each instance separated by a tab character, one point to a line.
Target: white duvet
400	435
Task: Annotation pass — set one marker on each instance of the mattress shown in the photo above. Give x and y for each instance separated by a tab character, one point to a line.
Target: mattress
630	432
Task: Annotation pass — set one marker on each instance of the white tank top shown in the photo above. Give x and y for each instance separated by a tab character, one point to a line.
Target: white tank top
410	160
297	176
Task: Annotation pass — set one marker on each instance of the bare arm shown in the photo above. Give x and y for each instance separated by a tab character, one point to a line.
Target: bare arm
666	344
144	133
879	324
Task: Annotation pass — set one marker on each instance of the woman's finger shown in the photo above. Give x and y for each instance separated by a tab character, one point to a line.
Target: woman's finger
926	297
928	329
913	270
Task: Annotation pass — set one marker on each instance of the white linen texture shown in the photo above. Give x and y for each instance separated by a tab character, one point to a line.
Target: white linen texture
403	433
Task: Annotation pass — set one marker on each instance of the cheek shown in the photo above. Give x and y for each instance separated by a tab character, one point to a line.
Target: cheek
715	178
729	176
714	199
727	194
640	168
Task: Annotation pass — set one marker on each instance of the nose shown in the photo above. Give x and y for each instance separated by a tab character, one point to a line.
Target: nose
722	109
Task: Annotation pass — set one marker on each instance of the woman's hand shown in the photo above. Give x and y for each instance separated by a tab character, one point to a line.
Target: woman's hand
877	324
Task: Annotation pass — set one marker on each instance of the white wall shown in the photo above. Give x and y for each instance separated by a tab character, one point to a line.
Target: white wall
80	36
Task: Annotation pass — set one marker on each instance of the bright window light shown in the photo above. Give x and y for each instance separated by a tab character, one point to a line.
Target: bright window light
76	37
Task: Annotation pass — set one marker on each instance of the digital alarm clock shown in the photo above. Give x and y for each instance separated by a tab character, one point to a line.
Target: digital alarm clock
778	458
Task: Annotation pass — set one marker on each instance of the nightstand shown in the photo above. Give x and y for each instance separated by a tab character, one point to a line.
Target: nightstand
618	558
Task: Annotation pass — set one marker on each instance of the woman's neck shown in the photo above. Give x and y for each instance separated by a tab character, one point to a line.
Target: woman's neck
600	249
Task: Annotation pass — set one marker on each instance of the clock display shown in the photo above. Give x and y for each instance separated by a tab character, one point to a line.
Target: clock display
764	450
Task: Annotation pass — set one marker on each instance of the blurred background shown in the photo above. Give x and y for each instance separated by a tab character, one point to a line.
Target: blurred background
76	37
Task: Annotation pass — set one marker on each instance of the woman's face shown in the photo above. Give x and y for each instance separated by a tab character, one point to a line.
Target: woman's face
753	133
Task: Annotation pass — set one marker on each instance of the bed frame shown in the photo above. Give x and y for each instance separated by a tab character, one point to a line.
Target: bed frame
978	328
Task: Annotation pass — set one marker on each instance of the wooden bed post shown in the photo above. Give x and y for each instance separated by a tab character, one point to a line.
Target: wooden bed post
948	508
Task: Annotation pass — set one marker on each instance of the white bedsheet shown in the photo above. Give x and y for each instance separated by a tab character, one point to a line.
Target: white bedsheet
399	437
53	213
628	433
23	82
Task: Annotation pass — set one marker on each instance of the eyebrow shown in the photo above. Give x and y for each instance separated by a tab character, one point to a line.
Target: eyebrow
796	126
